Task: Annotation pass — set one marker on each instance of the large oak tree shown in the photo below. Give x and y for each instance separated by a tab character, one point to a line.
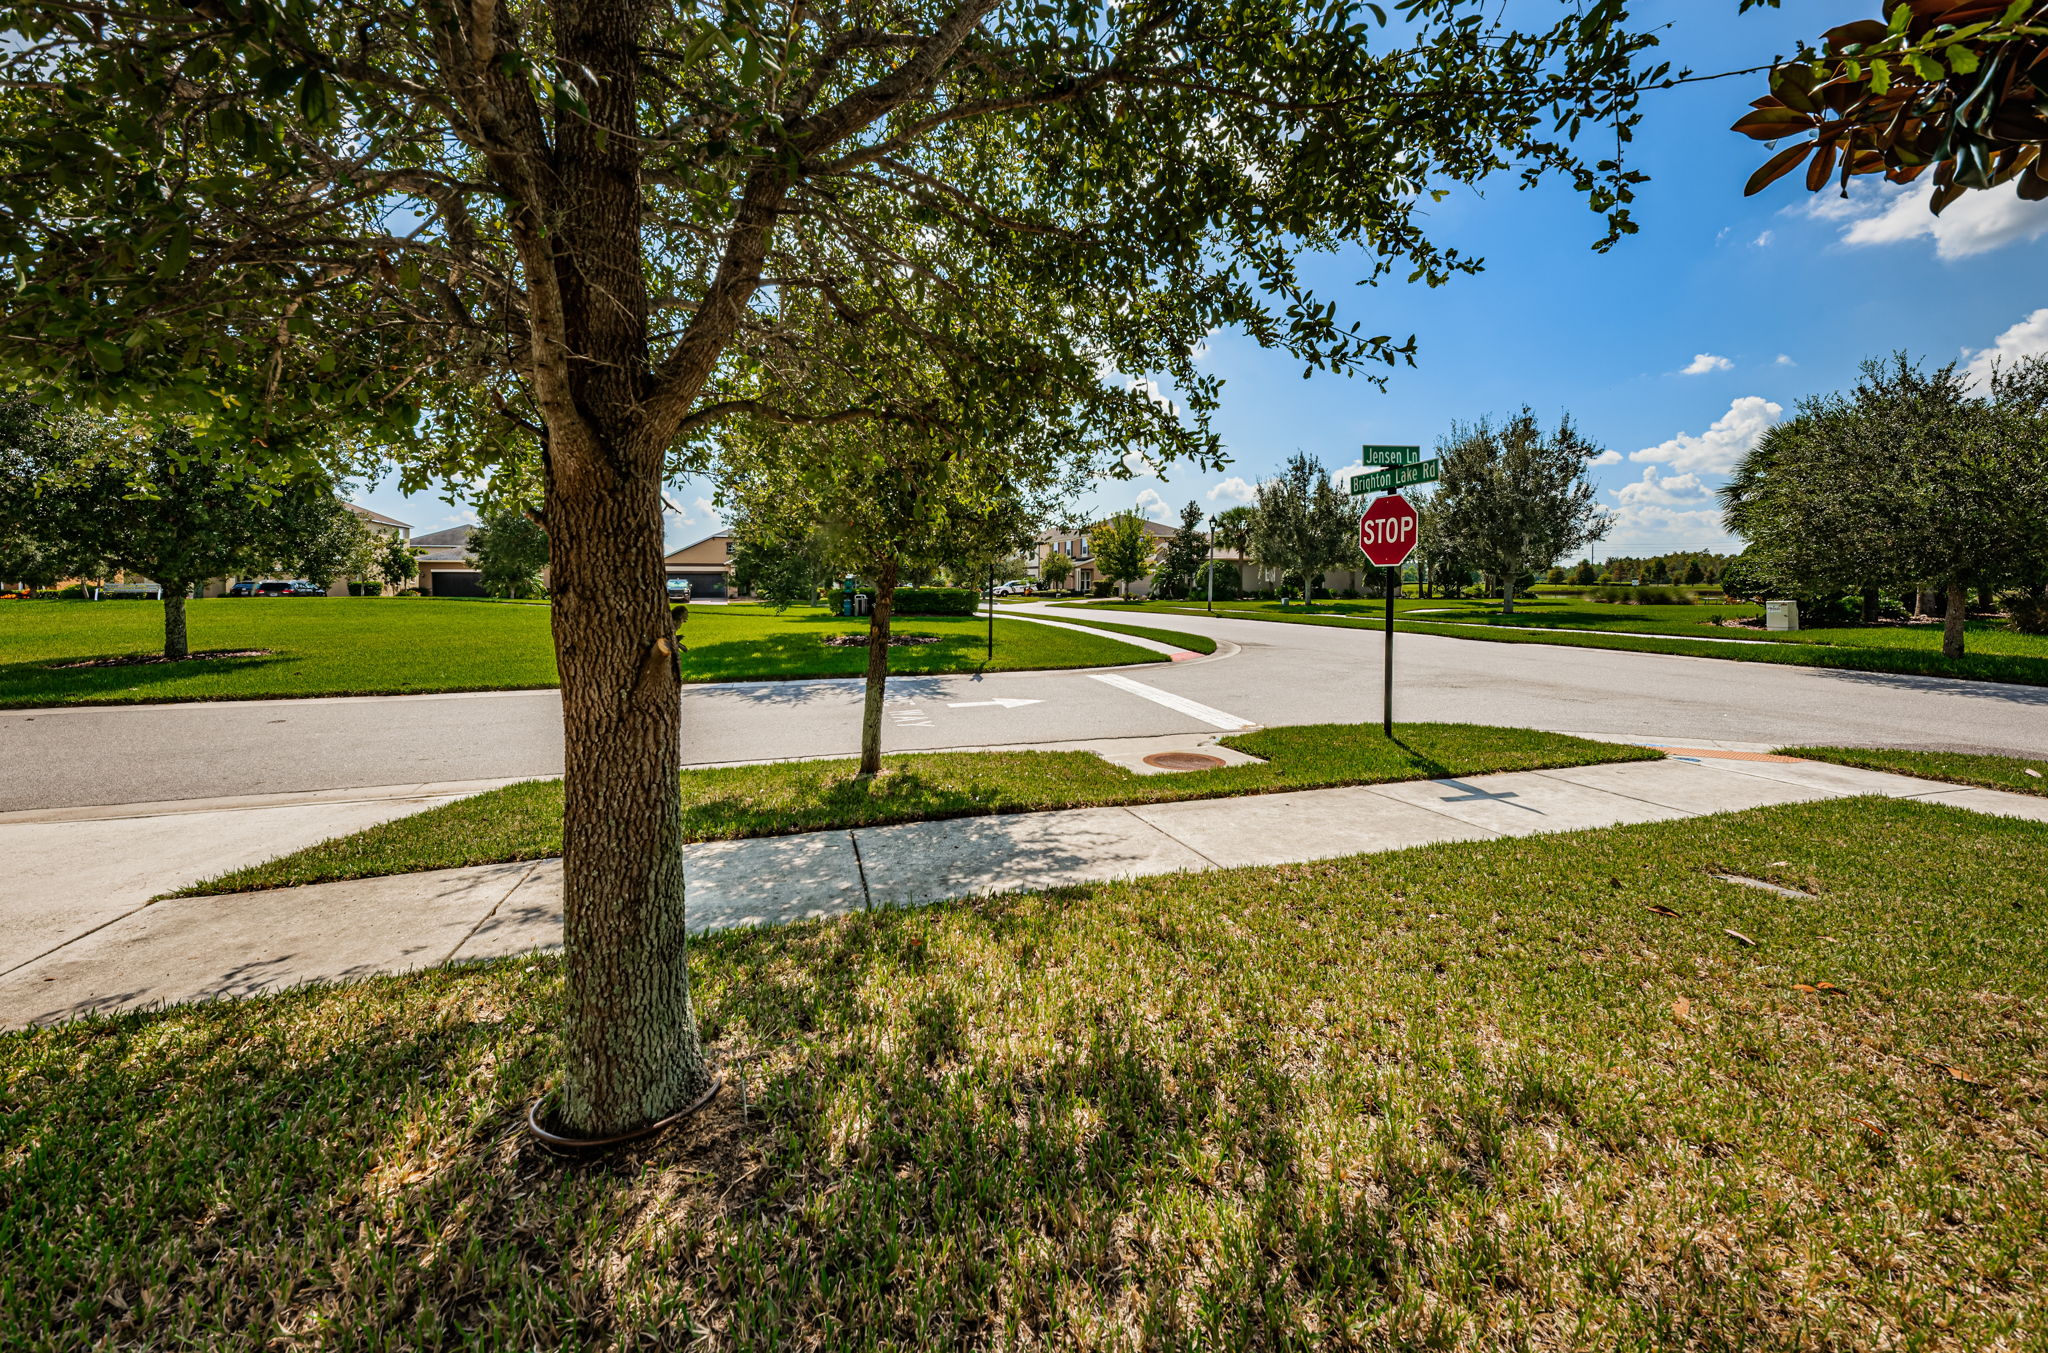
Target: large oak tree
583	217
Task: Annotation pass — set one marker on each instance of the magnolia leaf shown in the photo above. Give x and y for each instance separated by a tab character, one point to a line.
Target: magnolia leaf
1775	168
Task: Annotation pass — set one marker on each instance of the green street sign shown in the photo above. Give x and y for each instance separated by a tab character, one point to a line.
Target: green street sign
1390	455
1379	481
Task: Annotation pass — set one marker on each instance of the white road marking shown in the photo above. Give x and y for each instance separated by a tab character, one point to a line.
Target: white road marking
1215	718
1004	701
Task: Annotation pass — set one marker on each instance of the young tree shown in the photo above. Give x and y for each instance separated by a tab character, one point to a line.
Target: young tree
510	549
397	564
1585	575
1694	574
1054	570
609	207
1511	498
782	566
1183	555
1122	548
103	495
1302	525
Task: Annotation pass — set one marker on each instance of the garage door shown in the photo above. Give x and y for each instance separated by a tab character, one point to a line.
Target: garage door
704	584
458	582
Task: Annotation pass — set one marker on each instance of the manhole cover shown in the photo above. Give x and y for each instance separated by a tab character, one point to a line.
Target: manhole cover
1183	761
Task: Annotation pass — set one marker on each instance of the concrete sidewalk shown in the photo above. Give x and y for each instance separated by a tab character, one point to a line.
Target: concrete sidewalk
199	948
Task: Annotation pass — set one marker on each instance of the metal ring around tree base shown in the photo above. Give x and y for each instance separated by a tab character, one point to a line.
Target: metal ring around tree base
575	1144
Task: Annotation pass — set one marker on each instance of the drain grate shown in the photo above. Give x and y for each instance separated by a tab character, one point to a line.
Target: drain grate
1183	761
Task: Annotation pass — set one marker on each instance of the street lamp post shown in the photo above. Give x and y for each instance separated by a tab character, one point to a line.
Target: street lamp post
1212	563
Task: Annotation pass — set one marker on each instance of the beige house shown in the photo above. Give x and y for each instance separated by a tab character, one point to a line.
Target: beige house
446	569
1251	577
1073	543
706	564
378	523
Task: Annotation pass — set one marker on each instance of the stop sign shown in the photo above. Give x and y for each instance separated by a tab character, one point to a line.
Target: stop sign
1387	531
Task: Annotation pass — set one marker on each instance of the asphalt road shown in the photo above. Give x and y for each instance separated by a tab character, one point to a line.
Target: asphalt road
1267	674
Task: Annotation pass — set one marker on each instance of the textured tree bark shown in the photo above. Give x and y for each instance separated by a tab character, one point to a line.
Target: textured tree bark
630	1041
630	1033
878	669
175	645
1952	620
1507	588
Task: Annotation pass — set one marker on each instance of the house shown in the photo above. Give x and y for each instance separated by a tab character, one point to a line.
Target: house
379	524
1251	578
445	566
1073	543
706	563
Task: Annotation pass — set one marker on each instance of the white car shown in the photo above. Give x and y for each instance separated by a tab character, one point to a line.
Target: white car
1014	587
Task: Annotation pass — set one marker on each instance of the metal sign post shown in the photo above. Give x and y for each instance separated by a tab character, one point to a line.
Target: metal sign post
1386	535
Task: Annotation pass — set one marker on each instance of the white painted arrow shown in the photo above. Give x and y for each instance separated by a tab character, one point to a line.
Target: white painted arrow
1006	704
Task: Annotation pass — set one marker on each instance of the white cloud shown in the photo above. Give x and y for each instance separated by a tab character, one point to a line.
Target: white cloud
1704	362
1233	489
704	508
1658	490
1653	528
1606	458
1784	360
1894	213
1762	241
1150	504
2028	338
1342	478
1137	464
1716	450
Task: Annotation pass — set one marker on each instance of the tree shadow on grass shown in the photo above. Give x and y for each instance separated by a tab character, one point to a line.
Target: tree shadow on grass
47	681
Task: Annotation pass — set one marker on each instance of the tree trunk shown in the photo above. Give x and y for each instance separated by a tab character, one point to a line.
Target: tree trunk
175	646
1952	620
878	669
630	1034
630	1048
1507	589
1870	600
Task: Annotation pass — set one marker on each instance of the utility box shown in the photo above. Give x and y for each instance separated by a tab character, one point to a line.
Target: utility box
1781	615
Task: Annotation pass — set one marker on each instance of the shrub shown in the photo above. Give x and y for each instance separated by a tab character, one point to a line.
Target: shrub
366	589
408	591
1646	595
1102	589
2028	611
936	601
1227	585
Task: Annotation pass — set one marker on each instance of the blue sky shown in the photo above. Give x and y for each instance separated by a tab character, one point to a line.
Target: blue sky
1674	350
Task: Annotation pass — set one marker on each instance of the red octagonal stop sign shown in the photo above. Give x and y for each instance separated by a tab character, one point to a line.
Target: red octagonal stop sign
1387	531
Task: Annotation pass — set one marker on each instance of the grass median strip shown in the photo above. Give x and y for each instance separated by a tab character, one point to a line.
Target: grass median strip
1194	643
524	821
1519	1093
2019	775
1857	651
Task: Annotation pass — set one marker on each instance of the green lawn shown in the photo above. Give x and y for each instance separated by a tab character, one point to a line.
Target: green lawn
1995	651
524	821
1507	1095
2021	775
397	645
